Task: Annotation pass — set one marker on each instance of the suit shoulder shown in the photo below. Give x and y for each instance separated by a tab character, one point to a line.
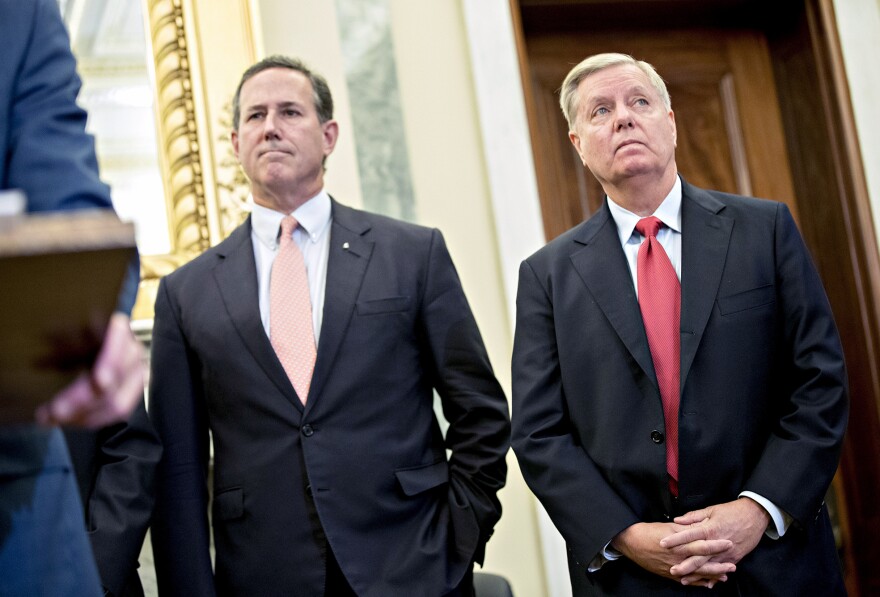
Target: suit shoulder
756	203
747	205
566	242
206	260
384	227
747	211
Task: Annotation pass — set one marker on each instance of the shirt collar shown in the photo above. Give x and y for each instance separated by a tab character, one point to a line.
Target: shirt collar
669	212
313	217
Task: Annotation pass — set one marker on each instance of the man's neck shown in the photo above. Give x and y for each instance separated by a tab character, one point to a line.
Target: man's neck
286	202
642	195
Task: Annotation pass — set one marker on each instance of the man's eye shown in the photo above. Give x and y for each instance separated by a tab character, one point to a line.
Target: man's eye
600	111
255	116
642	101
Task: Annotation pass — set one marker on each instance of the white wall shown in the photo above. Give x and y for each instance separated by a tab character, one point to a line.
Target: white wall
858	22
307	29
452	188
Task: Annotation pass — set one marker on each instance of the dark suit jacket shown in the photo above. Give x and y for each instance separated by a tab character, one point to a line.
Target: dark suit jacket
366	453
44	151
763	392
115	469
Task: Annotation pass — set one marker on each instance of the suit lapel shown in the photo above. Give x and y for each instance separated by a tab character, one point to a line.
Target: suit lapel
602	266
349	255
236	276
704	244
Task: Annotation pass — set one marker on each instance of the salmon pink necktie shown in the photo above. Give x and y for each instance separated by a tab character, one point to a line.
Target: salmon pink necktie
660	303
290	312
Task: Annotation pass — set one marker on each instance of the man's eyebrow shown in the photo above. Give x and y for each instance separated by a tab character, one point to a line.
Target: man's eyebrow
596	99
282	104
254	107
634	89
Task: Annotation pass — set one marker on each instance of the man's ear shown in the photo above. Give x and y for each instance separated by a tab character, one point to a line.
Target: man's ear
576	141
331	134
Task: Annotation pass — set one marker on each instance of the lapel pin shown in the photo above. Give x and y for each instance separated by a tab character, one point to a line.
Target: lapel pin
345	246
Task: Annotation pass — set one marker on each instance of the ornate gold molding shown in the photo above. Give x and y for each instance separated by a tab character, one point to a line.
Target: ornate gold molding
199	214
233	187
181	159
179	151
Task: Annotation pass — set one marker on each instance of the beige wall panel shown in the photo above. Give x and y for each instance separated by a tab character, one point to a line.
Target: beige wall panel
452	193
308	30
858	22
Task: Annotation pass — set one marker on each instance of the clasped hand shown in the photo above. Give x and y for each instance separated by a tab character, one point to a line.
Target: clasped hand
699	548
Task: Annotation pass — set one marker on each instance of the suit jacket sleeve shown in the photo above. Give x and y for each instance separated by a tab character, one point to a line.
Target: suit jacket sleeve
49	155
473	403
802	453
180	532
583	506
116	469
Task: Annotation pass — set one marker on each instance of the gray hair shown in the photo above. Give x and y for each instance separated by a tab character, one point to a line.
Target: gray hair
568	97
320	90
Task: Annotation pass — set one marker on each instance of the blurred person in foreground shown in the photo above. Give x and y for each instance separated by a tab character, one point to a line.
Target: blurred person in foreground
115	470
46	153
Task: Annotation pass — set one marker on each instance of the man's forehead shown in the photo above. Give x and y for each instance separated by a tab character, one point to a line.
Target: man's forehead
604	83
272	79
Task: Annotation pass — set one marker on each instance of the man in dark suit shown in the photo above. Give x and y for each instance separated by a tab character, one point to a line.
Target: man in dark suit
696	457
115	469
335	481
47	154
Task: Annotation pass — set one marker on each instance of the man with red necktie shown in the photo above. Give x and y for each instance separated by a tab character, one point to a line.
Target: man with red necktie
679	389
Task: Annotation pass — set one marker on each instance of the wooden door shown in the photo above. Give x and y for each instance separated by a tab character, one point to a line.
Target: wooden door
730	132
761	109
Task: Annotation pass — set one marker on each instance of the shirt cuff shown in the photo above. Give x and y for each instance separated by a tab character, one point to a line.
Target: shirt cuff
781	520
608	554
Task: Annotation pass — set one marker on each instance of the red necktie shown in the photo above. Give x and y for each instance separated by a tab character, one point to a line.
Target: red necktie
290	312
660	303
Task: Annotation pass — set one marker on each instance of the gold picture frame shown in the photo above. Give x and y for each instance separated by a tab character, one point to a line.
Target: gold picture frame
195	58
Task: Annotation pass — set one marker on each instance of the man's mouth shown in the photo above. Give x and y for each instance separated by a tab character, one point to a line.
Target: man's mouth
628	143
273	150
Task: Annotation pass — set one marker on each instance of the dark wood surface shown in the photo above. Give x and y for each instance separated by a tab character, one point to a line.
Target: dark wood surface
60	277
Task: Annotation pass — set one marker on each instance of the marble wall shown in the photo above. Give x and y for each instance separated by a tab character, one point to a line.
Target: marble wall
371	77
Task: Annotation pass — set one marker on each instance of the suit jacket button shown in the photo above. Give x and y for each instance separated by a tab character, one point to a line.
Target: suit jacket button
656	437
308	431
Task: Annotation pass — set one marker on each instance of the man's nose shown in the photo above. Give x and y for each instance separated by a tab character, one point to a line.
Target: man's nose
623	119
270	131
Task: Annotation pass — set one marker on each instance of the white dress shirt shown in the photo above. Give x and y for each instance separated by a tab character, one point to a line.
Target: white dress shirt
669	236
312	236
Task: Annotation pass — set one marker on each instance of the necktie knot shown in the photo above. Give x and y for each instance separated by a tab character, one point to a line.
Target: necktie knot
288	225
649	226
